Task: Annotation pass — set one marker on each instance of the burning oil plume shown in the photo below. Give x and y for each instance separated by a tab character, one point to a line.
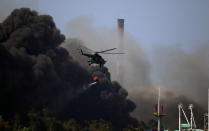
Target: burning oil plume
176	69
106	100
146	97
107	95
37	73
74	46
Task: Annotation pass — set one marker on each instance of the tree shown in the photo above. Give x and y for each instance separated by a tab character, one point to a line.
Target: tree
51	123
4	125
99	125
71	125
44	121
16	122
35	121
24	129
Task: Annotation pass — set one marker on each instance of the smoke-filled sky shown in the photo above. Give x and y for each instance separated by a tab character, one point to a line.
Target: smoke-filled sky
50	77
173	33
149	21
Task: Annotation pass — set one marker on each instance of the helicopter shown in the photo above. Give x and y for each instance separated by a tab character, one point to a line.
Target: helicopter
96	58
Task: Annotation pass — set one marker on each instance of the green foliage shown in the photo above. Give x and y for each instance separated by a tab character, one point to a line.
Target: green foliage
45	121
35	121
4	125
71	125
99	125
141	127
24	129
50	122
16	122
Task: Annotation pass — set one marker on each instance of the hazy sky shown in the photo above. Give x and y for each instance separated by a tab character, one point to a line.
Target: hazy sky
150	21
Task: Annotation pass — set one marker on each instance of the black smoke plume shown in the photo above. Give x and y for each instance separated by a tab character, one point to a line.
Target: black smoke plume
182	72
36	72
107	98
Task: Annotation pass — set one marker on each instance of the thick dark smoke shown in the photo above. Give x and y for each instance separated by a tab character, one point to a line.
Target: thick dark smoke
74	47
36	72
107	95
182	72
105	100
145	97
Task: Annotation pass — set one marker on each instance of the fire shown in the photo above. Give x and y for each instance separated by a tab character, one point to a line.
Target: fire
95	79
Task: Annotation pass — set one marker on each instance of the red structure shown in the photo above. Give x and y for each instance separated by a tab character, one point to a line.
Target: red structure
162	113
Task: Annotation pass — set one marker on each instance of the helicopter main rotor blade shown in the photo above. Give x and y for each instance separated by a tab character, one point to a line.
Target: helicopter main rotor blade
106	50
112	53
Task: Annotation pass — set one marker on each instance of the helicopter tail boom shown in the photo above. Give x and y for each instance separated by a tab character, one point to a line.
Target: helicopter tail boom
88	55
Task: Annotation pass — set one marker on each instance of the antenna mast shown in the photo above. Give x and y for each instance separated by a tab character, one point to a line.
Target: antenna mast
208	109
158	111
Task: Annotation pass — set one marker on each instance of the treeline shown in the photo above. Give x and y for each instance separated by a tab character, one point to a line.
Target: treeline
46	121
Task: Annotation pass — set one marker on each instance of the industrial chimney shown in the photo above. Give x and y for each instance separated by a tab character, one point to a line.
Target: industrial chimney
121	27
119	67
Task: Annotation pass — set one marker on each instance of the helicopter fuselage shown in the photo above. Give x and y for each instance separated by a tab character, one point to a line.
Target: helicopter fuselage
97	59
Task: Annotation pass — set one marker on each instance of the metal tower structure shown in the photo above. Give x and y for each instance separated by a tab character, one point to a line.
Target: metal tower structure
189	125
159	113
206	117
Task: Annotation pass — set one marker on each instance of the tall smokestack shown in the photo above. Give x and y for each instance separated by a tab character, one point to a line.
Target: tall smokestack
121	49
121	27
